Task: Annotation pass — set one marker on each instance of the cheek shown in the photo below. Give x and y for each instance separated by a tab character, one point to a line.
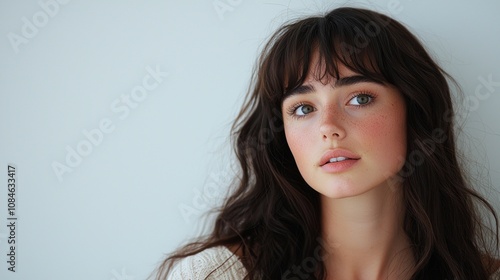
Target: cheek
291	138
296	141
387	134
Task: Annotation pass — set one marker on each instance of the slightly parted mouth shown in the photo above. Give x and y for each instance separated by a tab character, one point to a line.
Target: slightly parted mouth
337	155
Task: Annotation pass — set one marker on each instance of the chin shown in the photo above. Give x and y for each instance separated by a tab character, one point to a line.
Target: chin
349	189
341	192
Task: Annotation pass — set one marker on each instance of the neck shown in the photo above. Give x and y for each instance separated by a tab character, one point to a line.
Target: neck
364	236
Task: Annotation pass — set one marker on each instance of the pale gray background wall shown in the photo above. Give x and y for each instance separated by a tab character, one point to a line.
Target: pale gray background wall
69	68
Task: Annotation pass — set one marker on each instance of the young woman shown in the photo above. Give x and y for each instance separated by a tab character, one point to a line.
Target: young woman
349	167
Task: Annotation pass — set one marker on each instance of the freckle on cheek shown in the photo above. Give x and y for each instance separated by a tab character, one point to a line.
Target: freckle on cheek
377	127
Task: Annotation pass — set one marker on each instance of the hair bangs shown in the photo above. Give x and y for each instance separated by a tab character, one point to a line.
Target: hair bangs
317	48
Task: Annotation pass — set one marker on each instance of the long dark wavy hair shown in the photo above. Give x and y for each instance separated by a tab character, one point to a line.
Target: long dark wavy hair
273	216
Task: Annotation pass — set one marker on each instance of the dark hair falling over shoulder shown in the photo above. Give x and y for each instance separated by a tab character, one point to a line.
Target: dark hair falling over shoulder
273	217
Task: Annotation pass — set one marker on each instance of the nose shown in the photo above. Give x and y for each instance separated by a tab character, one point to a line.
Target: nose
332	125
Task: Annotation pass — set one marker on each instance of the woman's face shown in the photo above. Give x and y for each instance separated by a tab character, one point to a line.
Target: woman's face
347	136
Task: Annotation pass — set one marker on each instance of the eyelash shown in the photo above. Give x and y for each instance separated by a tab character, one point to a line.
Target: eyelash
291	111
370	95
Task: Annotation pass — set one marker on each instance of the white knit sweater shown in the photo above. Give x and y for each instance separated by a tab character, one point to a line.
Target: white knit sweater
224	264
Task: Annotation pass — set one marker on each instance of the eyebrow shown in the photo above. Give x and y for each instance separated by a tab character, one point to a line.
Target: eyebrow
341	82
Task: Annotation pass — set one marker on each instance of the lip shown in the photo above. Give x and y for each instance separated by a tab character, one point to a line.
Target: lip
338	167
325	159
